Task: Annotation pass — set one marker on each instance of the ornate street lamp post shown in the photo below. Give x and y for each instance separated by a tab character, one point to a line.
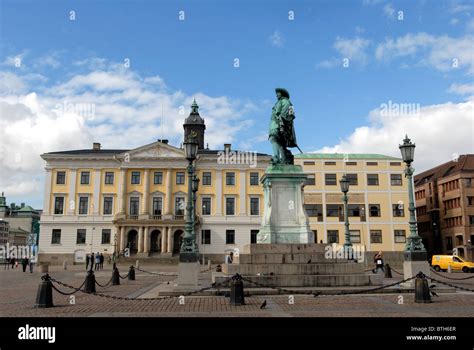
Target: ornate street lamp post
189	250
344	182
414	249
195	189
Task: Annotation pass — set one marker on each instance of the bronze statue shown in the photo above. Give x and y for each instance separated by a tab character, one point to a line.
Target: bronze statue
282	132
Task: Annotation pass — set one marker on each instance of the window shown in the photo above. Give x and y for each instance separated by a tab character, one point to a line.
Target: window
330	179
395	164
375	236
135	177
56	236
352	179
253	236
400	236
85	177
230	206
333	236
108	203
157	205
396	179
449	243
254	179
83	205
61	178
374	210
398	210
106	236
180	178
229	236
351	163
134	205
206	178
310	180
354	236
81	236
470	200
354	209
333	210
58	205
206	206
314	210
308	163
372	163
373	179
230	179
205	236
179	206
329	163
469	182
315	235
158	178
471	220
254	206
109	178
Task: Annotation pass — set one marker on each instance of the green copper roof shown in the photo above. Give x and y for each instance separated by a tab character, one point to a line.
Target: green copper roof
350	156
27	208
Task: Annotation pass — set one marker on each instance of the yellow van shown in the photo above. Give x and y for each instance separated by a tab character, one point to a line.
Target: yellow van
441	263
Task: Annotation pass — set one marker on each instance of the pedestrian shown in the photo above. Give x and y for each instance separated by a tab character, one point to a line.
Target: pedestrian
97	261
7	264
229	258
12	262
379	265
101	261
24	263
31	266
87	261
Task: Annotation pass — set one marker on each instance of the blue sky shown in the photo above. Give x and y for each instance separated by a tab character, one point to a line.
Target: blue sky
408	60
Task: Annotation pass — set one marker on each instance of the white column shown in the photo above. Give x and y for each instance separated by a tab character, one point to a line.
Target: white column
96	198
72	205
122	193
140	239
169	195
47	192
164	240
218	192
146	189
146	243
122	238
242	193
170	241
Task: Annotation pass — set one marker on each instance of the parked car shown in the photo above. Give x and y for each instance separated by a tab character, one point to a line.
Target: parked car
441	263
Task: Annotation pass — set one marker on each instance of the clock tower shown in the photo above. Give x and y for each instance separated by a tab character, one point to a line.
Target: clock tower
194	122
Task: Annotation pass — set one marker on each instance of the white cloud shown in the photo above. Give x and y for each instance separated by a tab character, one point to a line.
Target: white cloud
444	53
354	49
330	63
276	39
439	131
462	89
454	21
389	11
116	106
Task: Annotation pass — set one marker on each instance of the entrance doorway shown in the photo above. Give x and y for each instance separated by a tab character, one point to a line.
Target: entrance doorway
132	242
177	240
155	241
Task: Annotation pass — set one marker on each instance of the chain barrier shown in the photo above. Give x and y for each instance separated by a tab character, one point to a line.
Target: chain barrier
450	278
79	289
450	285
105	285
322	293
124	277
210	269
136	298
156	273
397	272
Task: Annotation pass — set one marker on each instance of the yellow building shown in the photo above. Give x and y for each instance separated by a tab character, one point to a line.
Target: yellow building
107	201
378	193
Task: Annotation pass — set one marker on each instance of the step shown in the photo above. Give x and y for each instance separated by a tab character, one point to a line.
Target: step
310	280
293	269
283	248
286	258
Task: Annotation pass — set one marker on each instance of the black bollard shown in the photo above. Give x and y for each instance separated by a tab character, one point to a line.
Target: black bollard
388	271
44	296
89	286
115	277
422	290
131	274
218	268
237	290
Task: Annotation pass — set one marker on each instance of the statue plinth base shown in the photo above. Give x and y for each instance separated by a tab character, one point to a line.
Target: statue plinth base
284	217
415	261
188	275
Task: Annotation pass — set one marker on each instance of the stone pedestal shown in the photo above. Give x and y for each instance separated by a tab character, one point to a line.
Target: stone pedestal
414	263
284	217
188	275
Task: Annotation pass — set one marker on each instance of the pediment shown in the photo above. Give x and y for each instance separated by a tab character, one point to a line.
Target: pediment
154	150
